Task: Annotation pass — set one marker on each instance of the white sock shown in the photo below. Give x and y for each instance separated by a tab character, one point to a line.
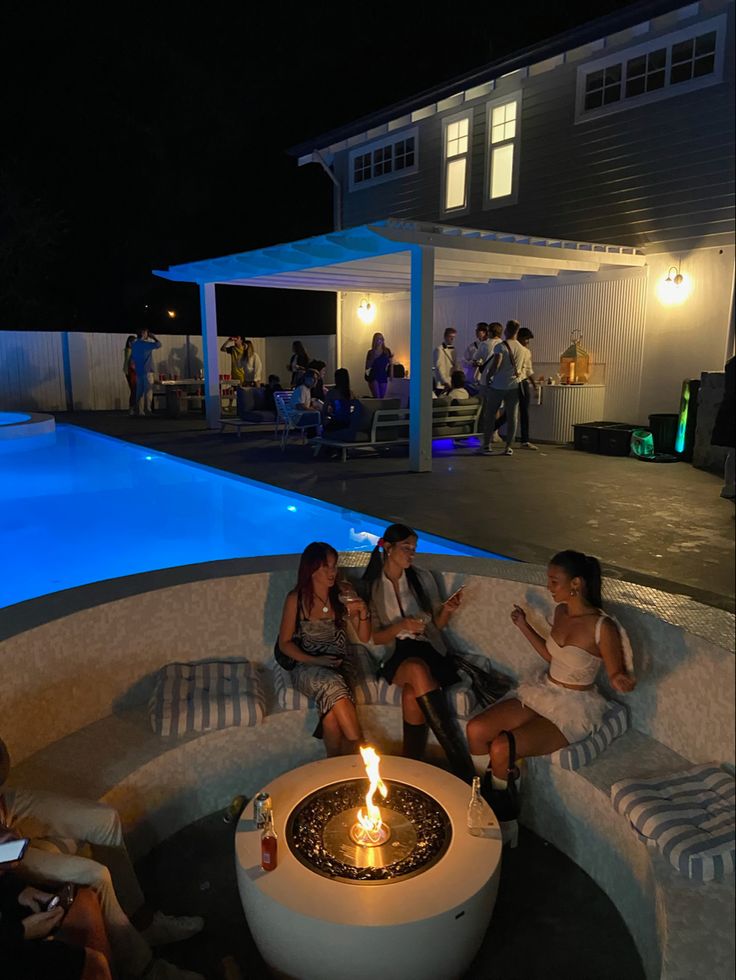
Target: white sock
481	763
499	783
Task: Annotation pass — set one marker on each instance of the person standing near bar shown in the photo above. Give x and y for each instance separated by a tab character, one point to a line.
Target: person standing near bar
251	366
129	372
142	357
500	386
236	348
471	357
444	362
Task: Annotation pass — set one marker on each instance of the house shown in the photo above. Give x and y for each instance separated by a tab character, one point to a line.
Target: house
500	194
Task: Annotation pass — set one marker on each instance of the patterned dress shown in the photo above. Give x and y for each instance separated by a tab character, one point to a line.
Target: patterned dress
323	685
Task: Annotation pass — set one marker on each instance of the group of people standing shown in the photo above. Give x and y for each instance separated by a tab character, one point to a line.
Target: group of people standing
397	606
497	365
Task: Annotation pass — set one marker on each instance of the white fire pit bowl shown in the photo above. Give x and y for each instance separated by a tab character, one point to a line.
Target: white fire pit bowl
425	927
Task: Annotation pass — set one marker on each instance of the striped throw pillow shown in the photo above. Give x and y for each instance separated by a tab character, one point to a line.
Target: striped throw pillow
615	722
287	696
205	696
689	816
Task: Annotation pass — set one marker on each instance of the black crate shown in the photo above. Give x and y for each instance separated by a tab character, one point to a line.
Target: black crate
615	440
588	435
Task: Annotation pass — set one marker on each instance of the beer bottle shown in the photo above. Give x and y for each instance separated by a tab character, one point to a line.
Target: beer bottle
269	845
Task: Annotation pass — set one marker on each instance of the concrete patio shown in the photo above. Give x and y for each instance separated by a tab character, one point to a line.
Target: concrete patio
660	525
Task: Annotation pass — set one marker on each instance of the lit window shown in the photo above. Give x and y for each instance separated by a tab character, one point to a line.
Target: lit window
383	160
503	128
502	170
457	163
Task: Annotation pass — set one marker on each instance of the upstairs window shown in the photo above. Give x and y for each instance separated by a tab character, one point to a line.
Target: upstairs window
503	127
685	60
383	160
456	175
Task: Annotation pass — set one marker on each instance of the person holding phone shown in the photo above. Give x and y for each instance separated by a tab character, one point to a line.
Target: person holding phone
40	936
408	619
313	646
42	817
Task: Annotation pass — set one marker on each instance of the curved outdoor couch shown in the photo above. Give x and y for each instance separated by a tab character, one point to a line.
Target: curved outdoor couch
79	669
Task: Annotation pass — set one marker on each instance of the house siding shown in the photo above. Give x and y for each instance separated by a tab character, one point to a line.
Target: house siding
658	176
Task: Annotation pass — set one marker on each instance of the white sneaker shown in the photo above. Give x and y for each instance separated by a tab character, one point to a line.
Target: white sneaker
497	437
163	970
508	451
165	929
529	445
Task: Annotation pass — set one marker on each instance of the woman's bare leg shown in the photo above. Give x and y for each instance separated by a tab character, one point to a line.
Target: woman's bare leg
84	926
347	718
96	967
331	734
535	737
415	679
506	716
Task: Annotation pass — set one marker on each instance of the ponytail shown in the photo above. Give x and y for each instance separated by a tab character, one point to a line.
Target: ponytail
585	567
374	569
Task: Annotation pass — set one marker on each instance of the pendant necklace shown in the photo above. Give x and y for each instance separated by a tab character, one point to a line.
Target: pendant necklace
325	607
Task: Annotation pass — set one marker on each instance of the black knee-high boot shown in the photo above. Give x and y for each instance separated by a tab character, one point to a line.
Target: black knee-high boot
434	709
503	802
415	740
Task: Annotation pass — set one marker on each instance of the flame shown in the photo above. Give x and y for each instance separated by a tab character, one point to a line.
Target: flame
370	821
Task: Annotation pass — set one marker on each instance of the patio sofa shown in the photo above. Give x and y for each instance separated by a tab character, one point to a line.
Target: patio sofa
250	412
378	423
77	681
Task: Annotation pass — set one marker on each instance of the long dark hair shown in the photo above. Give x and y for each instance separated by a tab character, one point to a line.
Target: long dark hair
575	564
313	557
393	535
301	354
342	383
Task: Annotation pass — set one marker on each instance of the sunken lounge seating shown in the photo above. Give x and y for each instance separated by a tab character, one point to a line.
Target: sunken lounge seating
78	680
251	411
381	422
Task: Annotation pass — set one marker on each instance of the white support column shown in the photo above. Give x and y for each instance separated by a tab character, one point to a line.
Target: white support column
208	317
338	330
420	382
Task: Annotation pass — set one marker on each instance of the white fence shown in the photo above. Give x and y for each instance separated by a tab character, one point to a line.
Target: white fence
52	372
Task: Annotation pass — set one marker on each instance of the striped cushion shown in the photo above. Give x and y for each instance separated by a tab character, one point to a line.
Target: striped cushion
615	722
205	696
688	815
287	696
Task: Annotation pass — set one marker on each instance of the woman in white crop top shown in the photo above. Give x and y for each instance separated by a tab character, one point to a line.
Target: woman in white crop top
561	704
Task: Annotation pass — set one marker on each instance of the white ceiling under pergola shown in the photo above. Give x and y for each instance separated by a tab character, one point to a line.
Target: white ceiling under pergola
376	258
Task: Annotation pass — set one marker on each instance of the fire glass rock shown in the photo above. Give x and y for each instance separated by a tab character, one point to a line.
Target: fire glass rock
429	822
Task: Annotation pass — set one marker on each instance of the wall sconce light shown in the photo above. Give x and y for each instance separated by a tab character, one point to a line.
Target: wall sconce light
171	314
366	311
674	289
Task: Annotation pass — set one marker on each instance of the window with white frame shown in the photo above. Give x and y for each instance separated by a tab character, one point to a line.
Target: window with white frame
384	159
682	61
503	128
456	174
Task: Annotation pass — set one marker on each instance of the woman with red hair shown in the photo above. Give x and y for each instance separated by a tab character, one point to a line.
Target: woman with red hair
313	645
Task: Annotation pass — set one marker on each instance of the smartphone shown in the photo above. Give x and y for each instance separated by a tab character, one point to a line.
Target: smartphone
13	850
455	593
53	902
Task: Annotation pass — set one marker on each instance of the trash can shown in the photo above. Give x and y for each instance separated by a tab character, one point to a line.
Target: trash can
663	427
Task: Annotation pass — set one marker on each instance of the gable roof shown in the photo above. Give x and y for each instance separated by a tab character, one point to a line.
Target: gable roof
593	30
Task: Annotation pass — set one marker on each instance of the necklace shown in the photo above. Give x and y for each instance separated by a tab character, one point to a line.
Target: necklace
325	607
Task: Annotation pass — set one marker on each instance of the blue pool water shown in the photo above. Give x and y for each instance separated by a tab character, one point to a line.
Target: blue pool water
86	507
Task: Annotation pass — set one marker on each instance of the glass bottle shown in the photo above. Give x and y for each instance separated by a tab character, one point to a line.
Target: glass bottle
476	815
269	845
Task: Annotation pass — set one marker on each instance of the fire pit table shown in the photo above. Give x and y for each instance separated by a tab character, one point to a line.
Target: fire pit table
412	901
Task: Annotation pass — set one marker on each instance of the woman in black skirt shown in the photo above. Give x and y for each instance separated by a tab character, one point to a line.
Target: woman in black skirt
408	618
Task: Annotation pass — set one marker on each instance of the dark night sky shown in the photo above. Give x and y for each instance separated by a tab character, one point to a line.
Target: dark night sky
159	137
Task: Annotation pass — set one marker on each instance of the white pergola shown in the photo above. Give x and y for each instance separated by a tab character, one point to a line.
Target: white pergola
391	256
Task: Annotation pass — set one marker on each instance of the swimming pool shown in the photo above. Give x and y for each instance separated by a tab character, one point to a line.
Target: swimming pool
87	507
